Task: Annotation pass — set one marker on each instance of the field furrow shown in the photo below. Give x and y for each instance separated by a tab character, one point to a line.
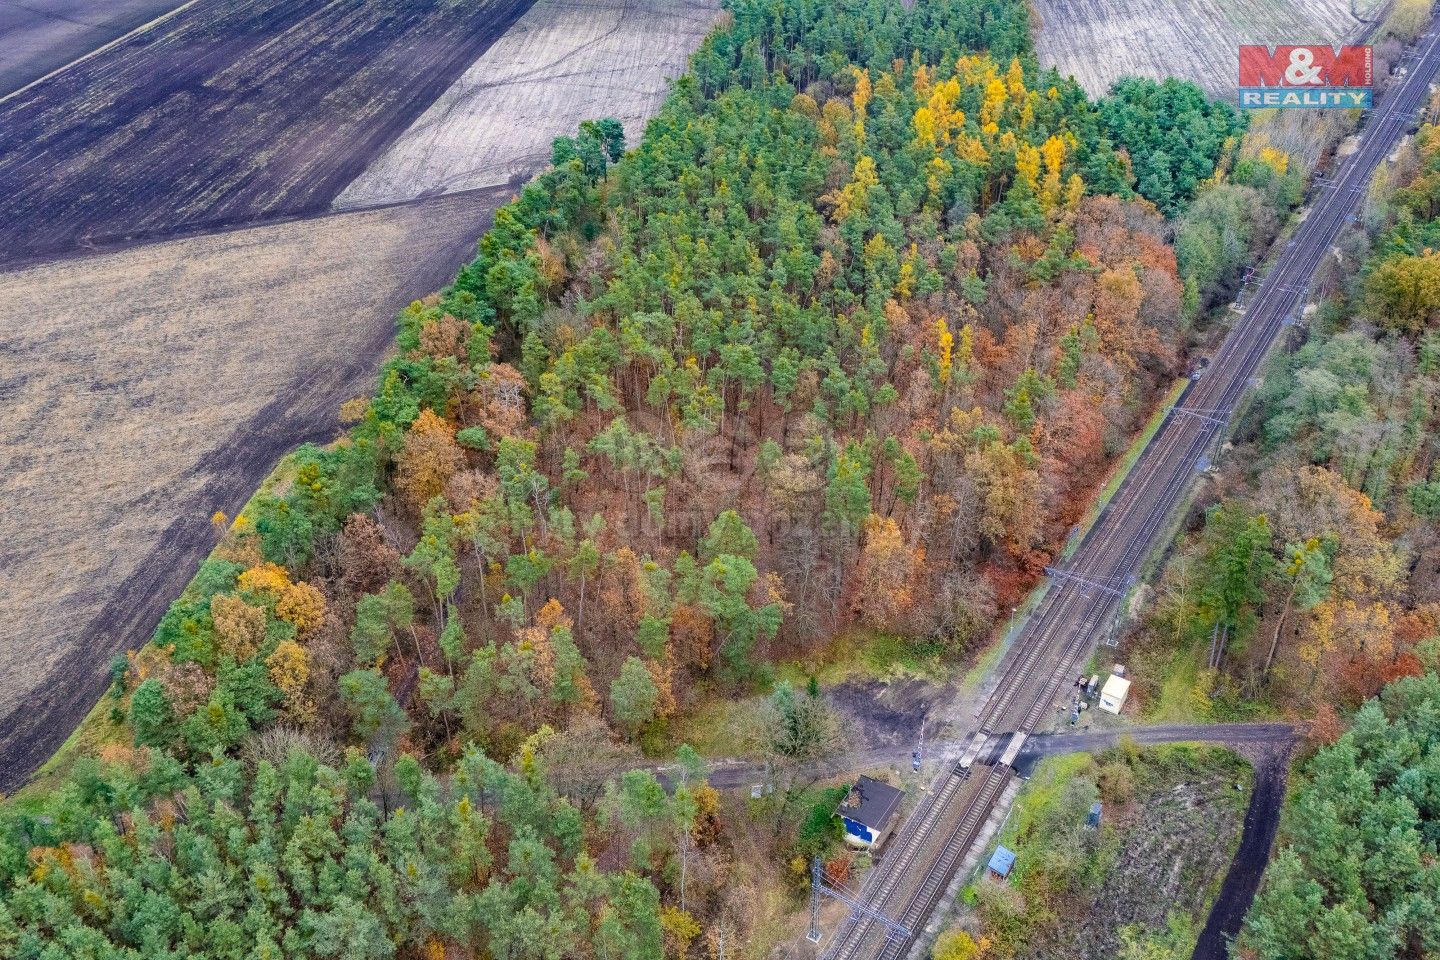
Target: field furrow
40	36
227	113
565	61
1098	41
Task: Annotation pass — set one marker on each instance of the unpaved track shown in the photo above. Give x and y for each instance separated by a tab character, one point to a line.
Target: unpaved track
230	112
1262	820
147	388
1255	740
1251	739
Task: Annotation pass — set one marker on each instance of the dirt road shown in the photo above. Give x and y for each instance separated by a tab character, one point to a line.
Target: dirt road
1251	739
1244	738
1262	820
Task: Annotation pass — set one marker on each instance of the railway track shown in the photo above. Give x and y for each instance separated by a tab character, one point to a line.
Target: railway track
1086	592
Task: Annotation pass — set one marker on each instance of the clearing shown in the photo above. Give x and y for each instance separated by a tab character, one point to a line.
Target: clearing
146	389
563	62
224	114
1171	823
1097	41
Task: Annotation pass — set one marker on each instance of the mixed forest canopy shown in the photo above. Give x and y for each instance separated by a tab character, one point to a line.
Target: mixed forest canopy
1314	582
843	344
1311	589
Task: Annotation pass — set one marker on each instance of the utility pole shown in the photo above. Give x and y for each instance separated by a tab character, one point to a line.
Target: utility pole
894	932
815	882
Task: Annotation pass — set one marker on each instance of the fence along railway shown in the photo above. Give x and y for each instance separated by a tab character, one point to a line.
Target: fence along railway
1085	593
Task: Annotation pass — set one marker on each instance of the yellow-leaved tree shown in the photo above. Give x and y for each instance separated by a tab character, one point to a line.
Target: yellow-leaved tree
429	458
289	668
303	606
239	627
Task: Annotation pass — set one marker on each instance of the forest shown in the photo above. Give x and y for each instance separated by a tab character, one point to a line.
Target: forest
844	344
1356	873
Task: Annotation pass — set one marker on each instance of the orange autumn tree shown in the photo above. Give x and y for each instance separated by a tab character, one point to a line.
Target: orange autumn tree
429	458
888	568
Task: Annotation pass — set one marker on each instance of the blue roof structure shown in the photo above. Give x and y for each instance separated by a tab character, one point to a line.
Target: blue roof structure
1002	861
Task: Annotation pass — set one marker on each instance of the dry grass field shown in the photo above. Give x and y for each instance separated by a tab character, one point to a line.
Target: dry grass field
147	388
150	384
1097	41
39	36
230	112
563	62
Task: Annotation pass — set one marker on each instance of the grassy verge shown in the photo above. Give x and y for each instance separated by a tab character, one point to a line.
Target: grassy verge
988	659
1041	794
1122	467
721	725
95	733
991	655
866	655
1176	701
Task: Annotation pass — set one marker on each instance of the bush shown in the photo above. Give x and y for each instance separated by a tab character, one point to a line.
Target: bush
955	945
1117	783
821	830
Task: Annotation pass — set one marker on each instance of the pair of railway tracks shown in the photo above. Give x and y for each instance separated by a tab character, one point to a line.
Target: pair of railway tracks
1085	593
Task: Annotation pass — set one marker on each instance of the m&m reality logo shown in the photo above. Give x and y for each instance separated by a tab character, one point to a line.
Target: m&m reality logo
1305	76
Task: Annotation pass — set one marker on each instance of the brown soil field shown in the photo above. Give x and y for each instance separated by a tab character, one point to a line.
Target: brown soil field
40	36
1097	41
147	388
227	113
563	62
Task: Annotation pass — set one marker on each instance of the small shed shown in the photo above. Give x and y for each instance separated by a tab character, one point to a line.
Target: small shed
1113	694
1002	862
868	812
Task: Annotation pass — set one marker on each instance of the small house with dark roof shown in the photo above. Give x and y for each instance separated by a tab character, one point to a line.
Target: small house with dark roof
868	812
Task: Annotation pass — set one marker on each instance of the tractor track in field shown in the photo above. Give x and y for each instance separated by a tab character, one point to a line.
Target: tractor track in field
225	114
